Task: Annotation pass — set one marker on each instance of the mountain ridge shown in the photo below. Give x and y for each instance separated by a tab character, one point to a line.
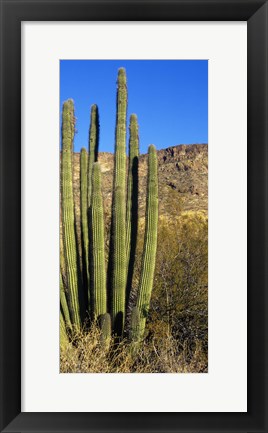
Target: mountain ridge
182	173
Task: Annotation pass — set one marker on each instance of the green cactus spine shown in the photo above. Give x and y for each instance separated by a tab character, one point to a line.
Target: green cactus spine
150	239
98	270
84	218
105	326
132	201
119	209
93	144
67	207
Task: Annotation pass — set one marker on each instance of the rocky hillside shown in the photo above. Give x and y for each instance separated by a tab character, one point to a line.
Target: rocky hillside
183	179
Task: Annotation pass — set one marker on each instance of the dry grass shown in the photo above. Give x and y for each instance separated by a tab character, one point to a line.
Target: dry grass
87	355
176	336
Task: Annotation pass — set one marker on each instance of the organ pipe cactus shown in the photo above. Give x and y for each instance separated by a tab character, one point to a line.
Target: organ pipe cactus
150	239
98	270
119	209
67	208
84	217
117	286
134	333
64	305
132	201
64	340
93	145
105	326
119	274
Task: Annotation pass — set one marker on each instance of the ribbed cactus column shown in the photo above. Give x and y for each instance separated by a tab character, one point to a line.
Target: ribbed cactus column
105	326
98	270
67	207
134	332
64	305
119	208
119	274
84	217
150	239
132	200
93	145
62	261
63	333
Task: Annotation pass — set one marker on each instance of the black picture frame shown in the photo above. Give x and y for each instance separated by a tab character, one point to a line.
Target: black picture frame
255	12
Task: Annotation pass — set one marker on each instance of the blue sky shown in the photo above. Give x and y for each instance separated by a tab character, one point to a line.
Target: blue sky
170	98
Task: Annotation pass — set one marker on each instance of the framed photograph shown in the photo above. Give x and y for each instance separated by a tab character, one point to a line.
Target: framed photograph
133	216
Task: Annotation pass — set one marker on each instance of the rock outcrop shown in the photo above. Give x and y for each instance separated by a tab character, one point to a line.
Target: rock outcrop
183	179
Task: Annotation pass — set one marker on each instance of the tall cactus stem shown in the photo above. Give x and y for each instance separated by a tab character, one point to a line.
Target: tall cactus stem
105	326
93	146
67	207
64	340
119	274
84	219
64	305
119	208
150	239
132	201
134	333
98	270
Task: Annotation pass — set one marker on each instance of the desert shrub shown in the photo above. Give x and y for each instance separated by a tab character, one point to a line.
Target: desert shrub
179	305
